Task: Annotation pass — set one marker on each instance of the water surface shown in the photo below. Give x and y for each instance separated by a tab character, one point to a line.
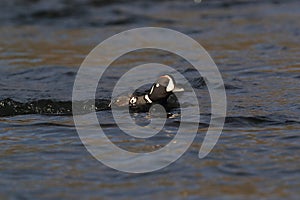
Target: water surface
256	47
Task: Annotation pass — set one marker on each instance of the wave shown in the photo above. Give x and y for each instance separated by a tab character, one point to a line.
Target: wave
10	107
258	121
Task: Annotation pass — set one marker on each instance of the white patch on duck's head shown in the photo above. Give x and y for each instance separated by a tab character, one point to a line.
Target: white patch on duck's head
171	85
133	100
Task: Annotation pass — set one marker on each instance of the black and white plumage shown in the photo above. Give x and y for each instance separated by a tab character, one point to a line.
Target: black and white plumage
159	93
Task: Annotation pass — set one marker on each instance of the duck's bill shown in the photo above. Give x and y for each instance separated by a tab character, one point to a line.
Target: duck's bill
120	101
178	89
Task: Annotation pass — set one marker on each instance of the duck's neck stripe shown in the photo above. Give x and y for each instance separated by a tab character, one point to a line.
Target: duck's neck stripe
148	99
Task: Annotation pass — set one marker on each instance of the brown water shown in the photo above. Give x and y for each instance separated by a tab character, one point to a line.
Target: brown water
256	46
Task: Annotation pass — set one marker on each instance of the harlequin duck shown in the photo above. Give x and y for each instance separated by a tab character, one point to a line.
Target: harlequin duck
159	93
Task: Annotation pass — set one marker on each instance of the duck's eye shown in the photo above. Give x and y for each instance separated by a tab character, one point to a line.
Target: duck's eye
157	85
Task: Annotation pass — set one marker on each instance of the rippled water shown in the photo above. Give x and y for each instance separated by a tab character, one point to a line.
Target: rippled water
256	46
